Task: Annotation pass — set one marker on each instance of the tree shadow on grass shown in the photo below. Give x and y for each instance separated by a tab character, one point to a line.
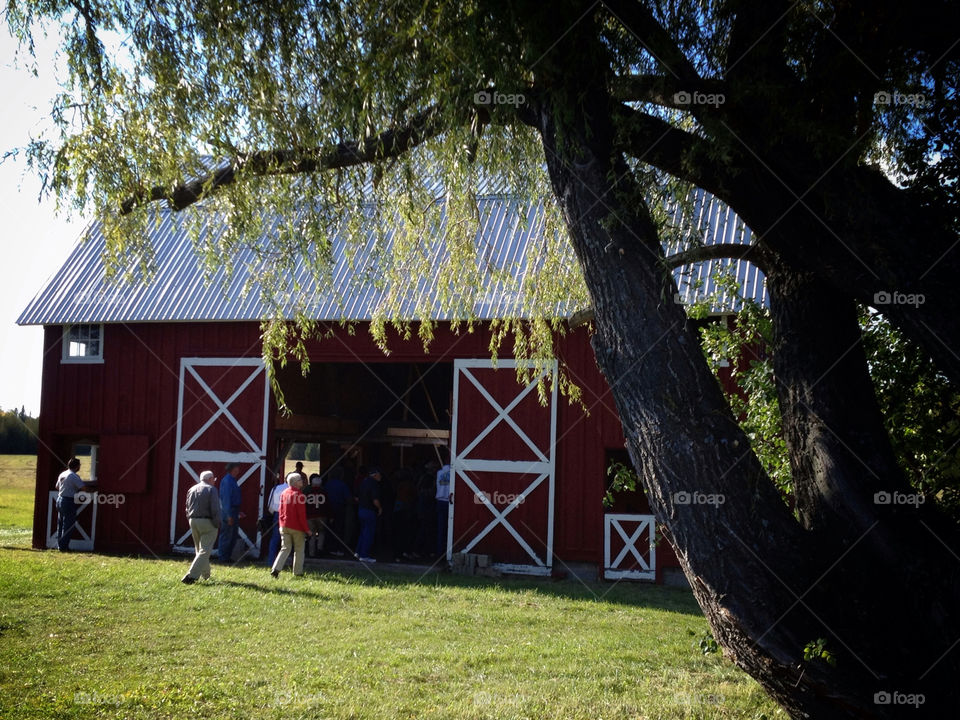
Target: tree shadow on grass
671	599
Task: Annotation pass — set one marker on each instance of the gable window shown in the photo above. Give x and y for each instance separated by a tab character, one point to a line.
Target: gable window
83	343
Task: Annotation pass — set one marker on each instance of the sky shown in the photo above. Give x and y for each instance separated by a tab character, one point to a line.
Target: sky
34	241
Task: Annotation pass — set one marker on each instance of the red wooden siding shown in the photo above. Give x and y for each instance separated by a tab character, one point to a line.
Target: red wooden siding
128	404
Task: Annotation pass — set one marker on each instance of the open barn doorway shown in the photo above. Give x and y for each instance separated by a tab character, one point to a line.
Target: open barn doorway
348	418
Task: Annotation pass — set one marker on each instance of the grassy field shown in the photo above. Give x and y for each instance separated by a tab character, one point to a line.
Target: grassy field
88	636
17	482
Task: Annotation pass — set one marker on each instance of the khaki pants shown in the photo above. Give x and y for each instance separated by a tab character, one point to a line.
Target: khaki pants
290	540
204	534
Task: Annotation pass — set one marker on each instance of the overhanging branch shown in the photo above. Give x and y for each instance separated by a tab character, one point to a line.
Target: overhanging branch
640	22
677	152
732	251
387	144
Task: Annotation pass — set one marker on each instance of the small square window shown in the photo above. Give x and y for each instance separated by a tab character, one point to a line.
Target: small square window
82	343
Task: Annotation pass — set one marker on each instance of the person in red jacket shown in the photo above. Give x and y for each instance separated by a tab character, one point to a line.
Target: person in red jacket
293	525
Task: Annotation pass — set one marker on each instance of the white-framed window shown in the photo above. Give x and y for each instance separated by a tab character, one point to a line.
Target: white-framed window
82	343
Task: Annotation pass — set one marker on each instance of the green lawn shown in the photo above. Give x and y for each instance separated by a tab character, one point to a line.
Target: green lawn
89	636
18	479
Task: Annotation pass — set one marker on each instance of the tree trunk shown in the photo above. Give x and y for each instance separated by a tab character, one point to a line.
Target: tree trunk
767	586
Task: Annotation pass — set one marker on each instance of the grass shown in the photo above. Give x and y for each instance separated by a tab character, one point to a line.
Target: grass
18	480
90	636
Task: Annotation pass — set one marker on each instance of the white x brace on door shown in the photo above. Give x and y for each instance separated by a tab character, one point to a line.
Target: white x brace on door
222	417
502	460
637	559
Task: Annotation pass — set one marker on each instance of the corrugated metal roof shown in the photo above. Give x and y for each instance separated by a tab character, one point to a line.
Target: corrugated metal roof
509	235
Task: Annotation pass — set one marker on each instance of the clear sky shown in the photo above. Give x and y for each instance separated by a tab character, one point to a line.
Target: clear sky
34	242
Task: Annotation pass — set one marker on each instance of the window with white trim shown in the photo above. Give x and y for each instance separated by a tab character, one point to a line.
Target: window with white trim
82	343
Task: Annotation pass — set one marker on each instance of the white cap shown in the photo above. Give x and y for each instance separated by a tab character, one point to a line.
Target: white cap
207	477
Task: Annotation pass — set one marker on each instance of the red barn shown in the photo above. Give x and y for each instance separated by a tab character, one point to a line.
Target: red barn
163	379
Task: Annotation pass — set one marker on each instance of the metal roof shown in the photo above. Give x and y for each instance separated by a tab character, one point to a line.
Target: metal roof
508	242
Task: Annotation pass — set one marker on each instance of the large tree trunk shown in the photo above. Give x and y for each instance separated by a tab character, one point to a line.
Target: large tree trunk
767	586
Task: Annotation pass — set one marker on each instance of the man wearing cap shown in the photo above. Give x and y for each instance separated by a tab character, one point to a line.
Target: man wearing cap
203	513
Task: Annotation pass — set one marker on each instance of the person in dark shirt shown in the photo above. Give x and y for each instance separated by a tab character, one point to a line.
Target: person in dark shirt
230	500
338	500
316	515
368	510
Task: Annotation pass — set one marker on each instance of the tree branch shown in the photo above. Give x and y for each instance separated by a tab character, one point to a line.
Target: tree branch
640	22
677	152
661	90
734	251
387	144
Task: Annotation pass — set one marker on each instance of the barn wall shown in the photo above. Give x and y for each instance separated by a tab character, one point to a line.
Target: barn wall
134	393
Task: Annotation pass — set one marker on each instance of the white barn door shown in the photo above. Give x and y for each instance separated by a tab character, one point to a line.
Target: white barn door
222	416
502	458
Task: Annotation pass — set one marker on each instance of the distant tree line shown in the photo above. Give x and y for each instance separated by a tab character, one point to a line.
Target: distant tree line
18	433
304	451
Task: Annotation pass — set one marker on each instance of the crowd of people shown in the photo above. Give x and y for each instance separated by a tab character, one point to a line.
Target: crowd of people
339	513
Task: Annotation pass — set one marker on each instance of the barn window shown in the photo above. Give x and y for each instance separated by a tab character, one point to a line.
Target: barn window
83	343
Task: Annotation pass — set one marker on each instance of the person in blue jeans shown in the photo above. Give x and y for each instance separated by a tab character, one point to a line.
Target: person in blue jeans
68	485
230	499
368	509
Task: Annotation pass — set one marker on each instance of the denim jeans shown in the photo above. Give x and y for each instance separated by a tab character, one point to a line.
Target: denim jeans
228	537
368	527
66	519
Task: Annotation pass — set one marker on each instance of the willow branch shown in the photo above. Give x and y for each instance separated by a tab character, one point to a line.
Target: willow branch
387	144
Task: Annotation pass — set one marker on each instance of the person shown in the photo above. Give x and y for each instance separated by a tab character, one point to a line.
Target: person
68	485
273	506
443	509
293	525
368	510
338	497
203	514
230	499
316	515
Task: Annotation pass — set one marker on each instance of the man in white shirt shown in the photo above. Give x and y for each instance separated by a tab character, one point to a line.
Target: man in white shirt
273	507
68	485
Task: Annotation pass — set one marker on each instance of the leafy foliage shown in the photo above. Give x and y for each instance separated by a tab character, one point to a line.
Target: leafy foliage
921	410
